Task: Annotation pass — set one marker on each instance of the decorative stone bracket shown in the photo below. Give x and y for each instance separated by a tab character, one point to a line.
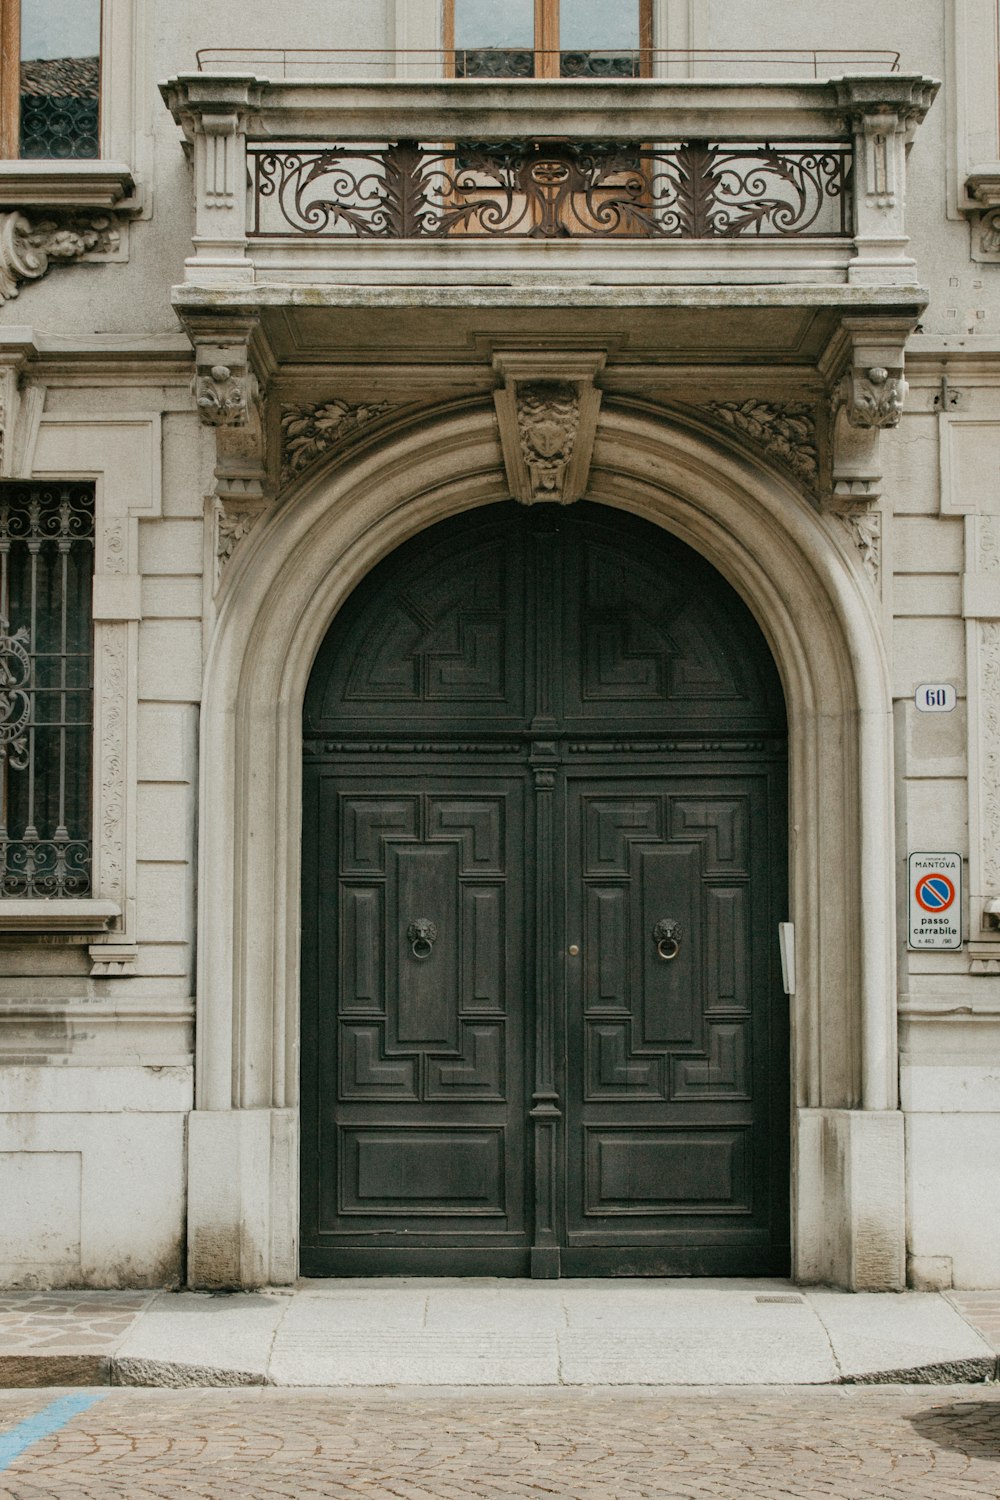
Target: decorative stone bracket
547	409
863	367
30	247
983	205
21	403
228	396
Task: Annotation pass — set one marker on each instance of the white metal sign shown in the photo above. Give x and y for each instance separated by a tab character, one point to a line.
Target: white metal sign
935	900
935	697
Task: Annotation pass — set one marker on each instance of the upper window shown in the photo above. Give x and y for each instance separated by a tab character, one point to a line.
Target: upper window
549	38
52	110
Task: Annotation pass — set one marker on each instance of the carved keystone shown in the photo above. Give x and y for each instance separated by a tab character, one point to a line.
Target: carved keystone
547	410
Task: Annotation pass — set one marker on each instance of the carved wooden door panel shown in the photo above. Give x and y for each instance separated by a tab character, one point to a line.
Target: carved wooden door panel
420	1057
670	1128
543	745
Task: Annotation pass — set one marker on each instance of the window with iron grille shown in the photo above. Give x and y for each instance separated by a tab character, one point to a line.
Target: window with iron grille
46	688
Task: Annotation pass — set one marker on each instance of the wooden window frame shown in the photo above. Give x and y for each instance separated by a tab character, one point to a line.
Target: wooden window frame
546	38
10	78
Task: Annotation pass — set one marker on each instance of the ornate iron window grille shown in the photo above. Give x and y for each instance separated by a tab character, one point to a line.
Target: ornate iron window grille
552	189
46	688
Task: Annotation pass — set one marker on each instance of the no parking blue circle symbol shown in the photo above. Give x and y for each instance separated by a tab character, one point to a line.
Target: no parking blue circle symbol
935	892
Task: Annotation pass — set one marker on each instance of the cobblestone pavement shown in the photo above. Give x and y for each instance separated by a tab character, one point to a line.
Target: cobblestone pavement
784	1443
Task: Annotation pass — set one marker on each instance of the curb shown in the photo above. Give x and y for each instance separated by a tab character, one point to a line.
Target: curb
32	1371
977	1371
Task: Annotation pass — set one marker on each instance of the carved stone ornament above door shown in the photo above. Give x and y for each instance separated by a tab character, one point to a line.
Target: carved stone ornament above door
547	409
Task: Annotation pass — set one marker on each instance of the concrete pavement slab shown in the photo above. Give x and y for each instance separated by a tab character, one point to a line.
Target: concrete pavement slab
470	1357
191	1338
688	1308
382	1306
891	1335
701	1356
498	1308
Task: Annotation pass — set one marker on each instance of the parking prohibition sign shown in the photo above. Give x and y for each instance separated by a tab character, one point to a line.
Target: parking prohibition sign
935	892
935	900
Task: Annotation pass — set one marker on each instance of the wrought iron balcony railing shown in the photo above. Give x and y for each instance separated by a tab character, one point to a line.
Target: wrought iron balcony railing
545	189
643	179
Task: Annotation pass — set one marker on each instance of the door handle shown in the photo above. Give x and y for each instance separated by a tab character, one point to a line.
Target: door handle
667	937
422	935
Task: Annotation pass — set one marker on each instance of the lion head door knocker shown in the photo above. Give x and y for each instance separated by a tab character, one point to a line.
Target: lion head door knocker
422	935
667	937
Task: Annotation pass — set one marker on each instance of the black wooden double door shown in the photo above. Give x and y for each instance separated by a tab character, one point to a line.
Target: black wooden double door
543	1029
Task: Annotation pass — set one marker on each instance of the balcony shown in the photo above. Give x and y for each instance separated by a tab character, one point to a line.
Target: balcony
558	184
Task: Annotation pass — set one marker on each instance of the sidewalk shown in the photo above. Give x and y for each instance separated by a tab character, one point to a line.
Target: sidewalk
448	1333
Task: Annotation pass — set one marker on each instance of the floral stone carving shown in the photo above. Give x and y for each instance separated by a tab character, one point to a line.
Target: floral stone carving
28	250
865	531
224	395
870	398
785	430
307	432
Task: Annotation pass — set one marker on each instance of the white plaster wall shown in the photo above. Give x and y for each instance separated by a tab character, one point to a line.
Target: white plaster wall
92	1171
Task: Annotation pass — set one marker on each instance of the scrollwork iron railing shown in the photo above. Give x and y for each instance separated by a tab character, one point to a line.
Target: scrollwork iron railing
552	189
46	713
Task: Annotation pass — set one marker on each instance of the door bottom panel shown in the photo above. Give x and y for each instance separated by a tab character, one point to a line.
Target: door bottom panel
419	1261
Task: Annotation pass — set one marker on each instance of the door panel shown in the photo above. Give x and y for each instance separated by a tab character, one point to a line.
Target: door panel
669	1132
422	918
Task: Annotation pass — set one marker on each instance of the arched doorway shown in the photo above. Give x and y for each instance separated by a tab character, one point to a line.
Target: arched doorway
544	801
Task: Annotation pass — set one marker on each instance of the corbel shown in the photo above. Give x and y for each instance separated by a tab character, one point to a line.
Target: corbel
20	403
230	376
863	371
982	186
547	410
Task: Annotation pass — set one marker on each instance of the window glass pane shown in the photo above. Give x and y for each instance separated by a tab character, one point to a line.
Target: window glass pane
586	24
60	77
597	40
494	41
484	23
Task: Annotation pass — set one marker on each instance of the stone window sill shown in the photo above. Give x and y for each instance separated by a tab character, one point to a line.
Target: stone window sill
83	185
24	917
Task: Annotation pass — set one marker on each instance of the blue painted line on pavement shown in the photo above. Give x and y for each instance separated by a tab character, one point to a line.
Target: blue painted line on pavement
42	1424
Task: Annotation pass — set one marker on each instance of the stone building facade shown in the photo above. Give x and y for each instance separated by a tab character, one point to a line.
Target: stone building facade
515	486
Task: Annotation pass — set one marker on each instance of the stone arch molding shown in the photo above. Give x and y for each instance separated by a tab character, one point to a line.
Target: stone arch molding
283	590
